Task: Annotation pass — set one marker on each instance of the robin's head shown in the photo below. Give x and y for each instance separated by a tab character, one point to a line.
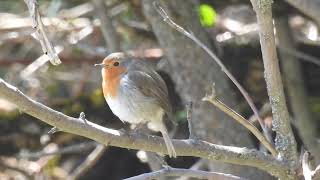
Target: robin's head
113	61
113	66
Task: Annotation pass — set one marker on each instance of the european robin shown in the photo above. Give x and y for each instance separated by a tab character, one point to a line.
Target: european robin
136	93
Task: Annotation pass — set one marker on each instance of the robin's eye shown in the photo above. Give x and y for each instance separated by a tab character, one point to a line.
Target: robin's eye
116	63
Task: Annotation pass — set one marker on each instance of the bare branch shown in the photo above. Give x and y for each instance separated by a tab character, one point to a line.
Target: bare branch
175	172
200	164
245	94
285	142
108	31
308	7
91	160
299	54
40	32
189	119
247	124
64	150
106	136
36	64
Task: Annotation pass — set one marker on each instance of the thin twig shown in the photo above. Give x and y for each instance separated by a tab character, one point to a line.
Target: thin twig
199	165
285	141
107	136
264	111
176	172
40	32
247	124
91	160
303	56
36	64
189	119
108	31
177	27
64	150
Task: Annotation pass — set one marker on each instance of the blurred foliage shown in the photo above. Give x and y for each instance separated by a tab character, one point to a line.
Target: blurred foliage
207	14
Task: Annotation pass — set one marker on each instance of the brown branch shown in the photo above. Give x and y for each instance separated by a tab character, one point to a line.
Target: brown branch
90	161
40	32
175	172
106	136
180	29
247	124
285	142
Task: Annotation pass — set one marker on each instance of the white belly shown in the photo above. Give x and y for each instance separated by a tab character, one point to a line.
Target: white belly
135	110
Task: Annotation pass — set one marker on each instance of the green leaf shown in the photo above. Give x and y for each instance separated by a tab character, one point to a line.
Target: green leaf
207	15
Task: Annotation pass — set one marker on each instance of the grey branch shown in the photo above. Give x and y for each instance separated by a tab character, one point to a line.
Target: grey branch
40	32
175	172
285	142
106	136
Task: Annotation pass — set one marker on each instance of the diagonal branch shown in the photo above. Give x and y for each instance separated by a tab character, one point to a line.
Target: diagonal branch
90	161
40	32
106	136
247	124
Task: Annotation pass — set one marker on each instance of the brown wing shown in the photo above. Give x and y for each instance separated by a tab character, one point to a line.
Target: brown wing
150	84
150	87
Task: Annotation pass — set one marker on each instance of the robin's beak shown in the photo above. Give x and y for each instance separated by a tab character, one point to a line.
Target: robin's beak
101	65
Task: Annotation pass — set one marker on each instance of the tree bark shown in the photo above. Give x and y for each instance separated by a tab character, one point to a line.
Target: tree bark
193	73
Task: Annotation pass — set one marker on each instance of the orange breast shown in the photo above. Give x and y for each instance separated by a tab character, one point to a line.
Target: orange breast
111	80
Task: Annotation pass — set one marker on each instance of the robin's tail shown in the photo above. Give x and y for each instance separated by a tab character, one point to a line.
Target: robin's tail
167	140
